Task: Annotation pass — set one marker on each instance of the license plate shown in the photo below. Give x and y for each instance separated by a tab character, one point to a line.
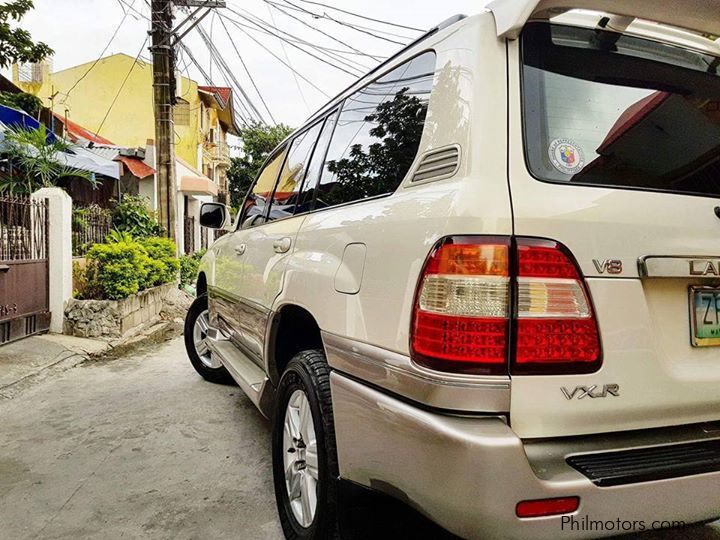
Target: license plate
705	316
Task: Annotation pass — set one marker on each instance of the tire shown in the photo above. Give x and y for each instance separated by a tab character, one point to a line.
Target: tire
210	369
307	377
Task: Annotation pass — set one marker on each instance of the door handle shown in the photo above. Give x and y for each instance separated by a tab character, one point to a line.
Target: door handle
282	245
240	250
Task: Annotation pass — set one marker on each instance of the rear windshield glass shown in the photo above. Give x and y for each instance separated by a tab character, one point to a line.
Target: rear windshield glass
605	109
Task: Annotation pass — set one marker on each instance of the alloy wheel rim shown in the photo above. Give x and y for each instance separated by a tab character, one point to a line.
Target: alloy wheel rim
300	458
200	340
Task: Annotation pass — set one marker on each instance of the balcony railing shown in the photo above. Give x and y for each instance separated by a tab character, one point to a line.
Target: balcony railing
217	152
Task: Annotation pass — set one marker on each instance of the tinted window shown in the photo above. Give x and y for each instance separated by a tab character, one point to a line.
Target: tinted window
293	173
305	202
614	110
256	201
377	135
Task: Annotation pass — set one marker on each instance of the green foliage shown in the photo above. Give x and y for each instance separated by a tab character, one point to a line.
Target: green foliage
133	215
17	44
115	271
124	266
190	266
22	101
116	237
161	251
35	162
258	141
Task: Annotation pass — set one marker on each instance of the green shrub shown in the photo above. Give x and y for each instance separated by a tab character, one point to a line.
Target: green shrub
190	266
161	251
133	215
115	271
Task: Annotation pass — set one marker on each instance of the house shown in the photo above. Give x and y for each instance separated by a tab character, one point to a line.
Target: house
81	99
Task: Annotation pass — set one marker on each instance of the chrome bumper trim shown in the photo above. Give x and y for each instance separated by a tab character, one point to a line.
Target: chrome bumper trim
397	374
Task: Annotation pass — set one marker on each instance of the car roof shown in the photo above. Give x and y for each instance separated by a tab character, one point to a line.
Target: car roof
697	15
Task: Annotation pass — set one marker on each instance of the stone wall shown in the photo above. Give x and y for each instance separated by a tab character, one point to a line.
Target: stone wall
113	318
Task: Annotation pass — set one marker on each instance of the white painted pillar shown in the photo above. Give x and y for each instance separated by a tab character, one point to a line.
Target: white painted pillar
59	252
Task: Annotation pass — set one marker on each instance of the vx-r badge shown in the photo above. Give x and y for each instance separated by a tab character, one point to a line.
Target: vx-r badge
591	391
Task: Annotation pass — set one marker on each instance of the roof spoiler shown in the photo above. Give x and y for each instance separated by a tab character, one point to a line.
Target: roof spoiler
695	15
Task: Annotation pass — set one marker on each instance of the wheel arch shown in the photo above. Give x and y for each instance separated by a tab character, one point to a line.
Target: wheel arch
291	330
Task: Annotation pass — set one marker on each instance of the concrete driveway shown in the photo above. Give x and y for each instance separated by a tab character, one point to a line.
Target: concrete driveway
142	447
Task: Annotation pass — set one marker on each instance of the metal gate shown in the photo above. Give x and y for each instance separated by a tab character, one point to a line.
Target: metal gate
24	278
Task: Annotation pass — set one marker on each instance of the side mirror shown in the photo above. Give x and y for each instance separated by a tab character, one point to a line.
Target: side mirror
214	215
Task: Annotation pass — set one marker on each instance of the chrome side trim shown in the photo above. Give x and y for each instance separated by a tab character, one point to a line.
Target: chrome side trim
687	266
252	380
398	374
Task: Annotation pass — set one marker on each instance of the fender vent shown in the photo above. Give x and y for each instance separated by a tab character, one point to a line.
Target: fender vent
437	164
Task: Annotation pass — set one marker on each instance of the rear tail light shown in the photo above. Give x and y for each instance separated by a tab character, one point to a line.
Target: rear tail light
482	301
461	317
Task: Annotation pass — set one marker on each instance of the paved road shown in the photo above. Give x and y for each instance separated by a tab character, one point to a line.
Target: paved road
141	447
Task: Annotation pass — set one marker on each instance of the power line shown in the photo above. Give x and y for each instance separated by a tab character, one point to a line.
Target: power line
277	6
278	58
335	57
254	20
252	81
125	80
358	29
297	82
95	63
228	75
363	16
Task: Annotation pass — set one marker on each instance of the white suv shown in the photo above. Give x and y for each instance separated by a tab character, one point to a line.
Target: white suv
485	279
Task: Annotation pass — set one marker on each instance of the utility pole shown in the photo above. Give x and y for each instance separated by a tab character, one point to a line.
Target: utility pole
164	40
164	97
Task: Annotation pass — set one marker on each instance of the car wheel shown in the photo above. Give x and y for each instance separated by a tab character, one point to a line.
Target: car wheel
197	323
305	467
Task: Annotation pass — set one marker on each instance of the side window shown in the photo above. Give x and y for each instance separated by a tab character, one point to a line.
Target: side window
307	194
256	202
377	135
293	173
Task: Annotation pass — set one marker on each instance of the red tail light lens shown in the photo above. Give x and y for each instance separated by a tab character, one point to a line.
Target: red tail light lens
471	288
547	507
461	312
556	330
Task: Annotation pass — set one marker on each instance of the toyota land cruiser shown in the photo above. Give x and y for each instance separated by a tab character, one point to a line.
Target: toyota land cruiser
485	279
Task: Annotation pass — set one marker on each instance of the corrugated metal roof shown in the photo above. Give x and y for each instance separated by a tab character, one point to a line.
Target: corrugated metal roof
137	166
76	131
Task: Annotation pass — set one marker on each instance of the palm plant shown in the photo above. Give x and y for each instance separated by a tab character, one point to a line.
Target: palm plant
34	161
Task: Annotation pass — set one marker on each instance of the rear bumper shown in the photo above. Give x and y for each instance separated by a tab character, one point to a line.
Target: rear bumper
468	473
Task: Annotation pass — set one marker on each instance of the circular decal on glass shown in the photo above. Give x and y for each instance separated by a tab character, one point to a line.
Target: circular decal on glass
566	156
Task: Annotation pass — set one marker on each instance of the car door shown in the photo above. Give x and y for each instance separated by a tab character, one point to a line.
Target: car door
225	296
263	248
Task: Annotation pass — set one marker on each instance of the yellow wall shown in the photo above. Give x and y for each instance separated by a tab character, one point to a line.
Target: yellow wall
131	121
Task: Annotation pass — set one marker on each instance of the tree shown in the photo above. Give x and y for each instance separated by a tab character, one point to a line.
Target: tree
258	141
16	44
34	161
22	101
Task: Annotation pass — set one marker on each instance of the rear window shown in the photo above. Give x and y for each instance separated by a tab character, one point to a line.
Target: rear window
601	108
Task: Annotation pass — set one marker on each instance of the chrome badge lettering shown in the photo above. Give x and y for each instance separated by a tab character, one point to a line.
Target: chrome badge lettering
704	267
592	392
611	266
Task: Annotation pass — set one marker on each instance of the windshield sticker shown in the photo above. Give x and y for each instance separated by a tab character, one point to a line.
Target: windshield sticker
566	156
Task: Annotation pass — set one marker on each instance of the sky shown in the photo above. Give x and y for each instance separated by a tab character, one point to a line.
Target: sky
79	30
